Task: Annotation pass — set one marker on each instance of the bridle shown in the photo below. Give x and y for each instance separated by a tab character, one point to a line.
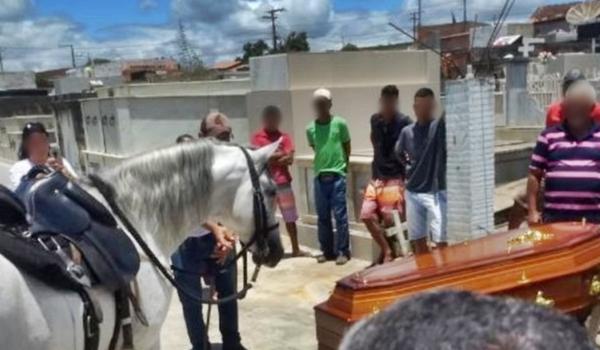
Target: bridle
258	238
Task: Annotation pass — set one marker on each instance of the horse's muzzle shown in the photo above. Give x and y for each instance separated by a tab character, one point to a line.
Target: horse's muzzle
271	252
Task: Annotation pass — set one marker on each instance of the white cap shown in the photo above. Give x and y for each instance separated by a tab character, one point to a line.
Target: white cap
322	93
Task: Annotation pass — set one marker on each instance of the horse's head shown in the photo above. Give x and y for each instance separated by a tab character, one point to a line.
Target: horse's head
250	198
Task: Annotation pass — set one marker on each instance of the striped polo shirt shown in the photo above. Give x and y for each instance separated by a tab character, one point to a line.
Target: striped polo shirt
571	169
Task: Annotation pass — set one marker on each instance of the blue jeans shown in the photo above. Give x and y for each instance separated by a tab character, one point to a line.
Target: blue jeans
426	215
190	260
330	196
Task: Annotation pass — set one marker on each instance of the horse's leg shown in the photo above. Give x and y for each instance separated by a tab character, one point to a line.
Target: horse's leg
593	323
154	295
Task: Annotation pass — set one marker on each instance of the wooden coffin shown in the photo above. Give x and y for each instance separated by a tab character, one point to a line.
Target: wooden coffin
557	264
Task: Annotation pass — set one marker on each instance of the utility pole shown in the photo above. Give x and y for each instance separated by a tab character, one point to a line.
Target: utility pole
420	12
464	11
72	54
272	16
414	17
1	61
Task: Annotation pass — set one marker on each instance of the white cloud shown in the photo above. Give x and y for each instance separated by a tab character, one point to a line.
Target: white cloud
206	10
147	5
14	9
218	29
42	39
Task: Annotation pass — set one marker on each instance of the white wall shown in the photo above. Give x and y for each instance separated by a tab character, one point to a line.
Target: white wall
355	79
17	80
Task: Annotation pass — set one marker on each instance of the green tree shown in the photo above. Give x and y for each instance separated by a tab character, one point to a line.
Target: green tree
295	42
350	47
254	49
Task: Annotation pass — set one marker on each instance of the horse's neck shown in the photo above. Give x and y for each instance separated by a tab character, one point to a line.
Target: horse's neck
227	171
156	248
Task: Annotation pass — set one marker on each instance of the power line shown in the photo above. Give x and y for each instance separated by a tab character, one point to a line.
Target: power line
447	59
72	54
272	16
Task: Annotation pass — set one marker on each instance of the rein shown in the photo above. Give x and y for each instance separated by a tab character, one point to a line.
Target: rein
259	236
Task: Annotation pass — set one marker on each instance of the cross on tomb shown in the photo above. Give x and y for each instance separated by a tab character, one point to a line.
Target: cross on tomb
528	45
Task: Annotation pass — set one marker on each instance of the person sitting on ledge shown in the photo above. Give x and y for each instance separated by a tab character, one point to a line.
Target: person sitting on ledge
566	157
466	321
385	191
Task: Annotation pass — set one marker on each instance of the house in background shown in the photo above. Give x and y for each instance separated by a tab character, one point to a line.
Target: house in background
149	69
552	19
454	41
231	69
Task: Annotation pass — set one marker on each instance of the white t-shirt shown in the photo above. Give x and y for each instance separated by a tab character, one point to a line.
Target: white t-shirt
200	232
22	167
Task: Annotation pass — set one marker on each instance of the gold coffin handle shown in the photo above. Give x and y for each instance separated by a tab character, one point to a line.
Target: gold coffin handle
595	286
540	299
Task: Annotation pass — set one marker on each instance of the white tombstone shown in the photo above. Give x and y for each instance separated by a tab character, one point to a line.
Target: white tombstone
470	160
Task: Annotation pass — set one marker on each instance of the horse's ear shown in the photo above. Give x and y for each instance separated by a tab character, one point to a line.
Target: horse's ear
262	155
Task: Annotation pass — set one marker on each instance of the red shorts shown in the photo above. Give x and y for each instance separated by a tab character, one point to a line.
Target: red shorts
287	203
381	198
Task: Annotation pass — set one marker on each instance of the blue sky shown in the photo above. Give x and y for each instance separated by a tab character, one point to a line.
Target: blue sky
32	30
96	15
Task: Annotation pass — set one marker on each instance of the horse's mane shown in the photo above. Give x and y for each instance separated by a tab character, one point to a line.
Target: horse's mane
148	188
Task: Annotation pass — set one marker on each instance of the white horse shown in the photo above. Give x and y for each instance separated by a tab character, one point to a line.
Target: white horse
165	194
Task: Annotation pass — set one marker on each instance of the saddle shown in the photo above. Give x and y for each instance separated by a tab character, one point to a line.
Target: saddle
59	208
12	210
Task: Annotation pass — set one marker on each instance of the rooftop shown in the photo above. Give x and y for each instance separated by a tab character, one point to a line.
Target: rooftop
552	12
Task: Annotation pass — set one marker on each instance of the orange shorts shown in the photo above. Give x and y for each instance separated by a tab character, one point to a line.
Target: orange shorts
381	197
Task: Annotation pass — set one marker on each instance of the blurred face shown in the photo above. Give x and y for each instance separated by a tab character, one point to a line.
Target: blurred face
322	106
272	121
424	108
388	105
578	111
37	147
225	136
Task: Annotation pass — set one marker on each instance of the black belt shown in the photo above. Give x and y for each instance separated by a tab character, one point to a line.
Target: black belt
326	175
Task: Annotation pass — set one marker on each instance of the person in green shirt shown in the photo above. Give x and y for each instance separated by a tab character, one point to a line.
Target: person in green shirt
329	137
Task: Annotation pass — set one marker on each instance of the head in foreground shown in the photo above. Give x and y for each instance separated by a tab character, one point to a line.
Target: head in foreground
466	321
579	102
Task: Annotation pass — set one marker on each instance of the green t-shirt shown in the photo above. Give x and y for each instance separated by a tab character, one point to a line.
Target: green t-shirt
327	141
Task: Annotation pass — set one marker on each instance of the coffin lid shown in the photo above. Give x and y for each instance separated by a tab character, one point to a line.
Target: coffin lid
490	250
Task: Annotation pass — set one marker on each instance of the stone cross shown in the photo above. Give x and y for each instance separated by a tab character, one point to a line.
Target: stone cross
528	45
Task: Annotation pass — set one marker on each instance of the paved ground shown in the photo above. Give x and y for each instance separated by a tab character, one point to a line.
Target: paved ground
277	314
